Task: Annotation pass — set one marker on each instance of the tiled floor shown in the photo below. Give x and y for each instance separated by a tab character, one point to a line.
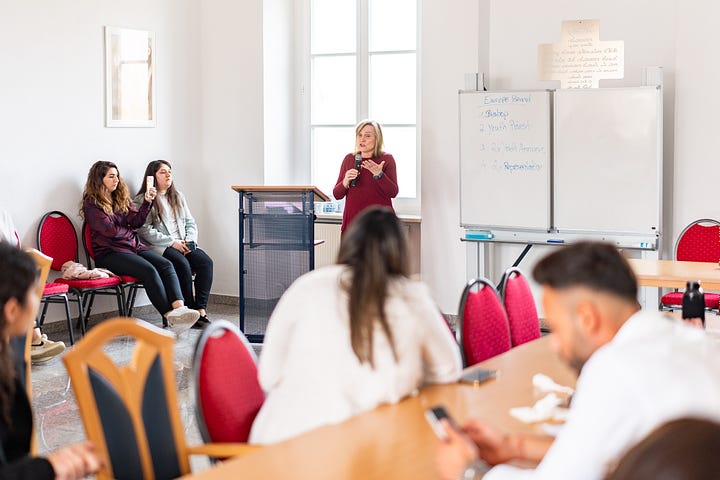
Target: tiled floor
57	419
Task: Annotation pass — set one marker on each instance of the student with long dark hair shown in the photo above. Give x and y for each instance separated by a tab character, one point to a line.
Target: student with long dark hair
113	220
348	337
18	308
171	231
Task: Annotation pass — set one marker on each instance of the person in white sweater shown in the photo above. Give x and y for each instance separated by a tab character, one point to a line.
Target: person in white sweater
346	338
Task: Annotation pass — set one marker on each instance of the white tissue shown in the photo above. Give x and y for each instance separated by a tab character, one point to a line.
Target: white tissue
547	408
546	384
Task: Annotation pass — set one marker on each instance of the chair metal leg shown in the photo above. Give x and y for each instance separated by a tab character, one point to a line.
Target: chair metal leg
69	319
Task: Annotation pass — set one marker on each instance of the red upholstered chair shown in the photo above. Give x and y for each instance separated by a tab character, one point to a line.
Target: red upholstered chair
520	307
483	329
56	237
52	292
128	282
698	242
228	394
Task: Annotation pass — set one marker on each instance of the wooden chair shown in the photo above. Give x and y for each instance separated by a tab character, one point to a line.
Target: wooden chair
130	412
483	330
43	262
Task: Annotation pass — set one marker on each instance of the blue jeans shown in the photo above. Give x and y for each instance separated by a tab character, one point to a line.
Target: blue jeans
156	273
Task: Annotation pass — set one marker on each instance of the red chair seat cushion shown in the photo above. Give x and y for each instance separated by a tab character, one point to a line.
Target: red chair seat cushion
675	298
90	284
55	289
129	279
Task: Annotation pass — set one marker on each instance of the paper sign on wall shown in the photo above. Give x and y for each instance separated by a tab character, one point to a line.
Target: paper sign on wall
580	59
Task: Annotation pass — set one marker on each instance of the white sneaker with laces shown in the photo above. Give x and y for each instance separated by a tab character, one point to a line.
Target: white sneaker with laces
182	318
46	350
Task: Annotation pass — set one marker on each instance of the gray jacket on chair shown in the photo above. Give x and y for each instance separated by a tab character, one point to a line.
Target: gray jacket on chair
156	235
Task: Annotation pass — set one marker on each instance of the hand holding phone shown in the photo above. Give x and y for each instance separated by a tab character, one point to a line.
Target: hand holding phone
434	414
192	246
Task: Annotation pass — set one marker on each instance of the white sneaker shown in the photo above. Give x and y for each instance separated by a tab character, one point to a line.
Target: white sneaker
181	319
46	350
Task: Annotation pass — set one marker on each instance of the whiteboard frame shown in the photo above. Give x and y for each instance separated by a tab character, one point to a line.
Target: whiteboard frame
549	164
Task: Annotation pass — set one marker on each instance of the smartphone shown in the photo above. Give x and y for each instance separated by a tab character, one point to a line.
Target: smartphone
433	415
191	246
478	376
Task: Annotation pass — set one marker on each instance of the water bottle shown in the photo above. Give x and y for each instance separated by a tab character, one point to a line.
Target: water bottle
693	302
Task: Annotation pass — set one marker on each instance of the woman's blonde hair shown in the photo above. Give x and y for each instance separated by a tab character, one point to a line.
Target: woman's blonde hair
378	136
119	200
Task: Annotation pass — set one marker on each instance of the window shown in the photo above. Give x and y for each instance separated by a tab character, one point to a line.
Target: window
363	64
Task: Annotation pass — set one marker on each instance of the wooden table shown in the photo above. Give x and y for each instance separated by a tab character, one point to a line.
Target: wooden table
394	441
674	274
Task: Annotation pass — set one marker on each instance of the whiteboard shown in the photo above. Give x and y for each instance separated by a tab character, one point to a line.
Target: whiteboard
608	160
505	168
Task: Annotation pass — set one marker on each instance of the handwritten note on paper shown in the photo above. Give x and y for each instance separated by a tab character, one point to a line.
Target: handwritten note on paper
580	59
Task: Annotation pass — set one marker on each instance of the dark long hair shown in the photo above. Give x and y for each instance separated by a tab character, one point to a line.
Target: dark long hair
19	273
375	249
94	191
172	194
682	449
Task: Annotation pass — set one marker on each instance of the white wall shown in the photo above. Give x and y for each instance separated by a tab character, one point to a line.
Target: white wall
209	105
449	46
231	126
508	34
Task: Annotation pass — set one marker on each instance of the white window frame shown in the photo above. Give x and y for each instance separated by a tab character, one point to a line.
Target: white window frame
410	206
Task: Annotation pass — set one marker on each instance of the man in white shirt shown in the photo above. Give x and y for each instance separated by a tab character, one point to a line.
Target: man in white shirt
637	370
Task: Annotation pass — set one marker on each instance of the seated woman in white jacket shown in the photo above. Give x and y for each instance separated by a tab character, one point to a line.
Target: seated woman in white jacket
346	338
171	231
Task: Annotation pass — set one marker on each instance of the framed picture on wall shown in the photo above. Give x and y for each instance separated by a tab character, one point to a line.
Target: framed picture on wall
129	78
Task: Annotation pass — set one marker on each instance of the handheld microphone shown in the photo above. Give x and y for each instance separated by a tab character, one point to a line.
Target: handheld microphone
358	160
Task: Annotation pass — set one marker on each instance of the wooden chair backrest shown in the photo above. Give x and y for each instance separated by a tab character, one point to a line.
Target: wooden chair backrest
43	262
93	373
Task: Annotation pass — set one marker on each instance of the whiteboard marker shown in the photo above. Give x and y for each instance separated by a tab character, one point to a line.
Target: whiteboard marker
556	240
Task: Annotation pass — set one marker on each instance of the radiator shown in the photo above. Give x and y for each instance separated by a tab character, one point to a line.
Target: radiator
326	253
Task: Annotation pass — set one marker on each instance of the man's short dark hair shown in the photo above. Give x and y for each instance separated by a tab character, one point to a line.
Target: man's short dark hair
595	265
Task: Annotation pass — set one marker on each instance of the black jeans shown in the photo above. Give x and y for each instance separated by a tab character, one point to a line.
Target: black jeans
156	273
196	261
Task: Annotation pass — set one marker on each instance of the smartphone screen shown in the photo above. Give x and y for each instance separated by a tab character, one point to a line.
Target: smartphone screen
434	415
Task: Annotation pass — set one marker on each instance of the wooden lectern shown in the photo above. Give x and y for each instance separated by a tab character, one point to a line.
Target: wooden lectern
277	241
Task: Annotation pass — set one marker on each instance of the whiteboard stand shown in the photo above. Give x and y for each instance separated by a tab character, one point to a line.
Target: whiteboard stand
480	253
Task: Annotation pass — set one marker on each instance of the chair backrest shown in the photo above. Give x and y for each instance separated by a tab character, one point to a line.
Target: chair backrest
57	238
43	262
87	243
228	395
699	242
520	307
130	412
483	329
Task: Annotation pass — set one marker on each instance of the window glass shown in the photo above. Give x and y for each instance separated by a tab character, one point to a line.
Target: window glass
333	98
401	143
329	147
392	88
333	26
393	25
